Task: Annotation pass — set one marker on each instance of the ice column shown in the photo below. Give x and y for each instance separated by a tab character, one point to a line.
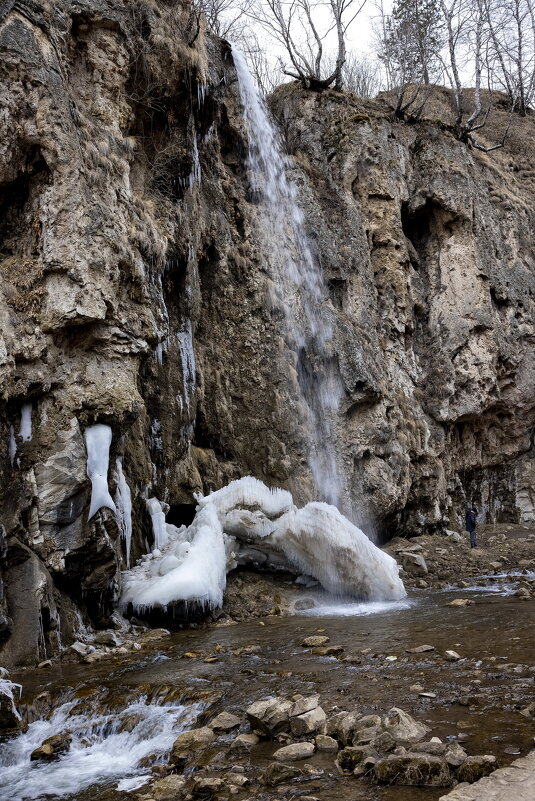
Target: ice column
123	504
25	431
97	442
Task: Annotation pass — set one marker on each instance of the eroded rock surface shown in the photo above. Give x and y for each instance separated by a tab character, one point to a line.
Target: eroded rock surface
134	294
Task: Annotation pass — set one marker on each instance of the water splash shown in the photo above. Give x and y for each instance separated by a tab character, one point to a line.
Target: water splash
297	287
106	747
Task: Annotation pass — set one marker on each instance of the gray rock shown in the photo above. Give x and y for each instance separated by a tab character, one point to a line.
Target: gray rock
475	767
455	755
315	641
189	743
271	716
294	752
244	743
326	743
414	770
302	704
224	722
349	758
308	723
276	774
413	563
347	726
403	727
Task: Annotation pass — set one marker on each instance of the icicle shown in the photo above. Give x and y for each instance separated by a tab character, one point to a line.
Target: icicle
12	445
25	431
98	441
123	504
159	526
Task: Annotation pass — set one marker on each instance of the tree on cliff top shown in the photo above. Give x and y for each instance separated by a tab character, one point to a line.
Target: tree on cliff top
301	28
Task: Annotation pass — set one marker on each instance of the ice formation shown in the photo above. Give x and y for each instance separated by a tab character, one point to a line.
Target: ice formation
7	693
123	506
12	445
98	441
191	567
25	431
246	522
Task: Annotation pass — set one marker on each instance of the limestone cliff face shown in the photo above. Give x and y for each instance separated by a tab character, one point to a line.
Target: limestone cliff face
133	292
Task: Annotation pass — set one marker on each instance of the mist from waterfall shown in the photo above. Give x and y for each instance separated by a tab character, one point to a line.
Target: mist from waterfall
297	287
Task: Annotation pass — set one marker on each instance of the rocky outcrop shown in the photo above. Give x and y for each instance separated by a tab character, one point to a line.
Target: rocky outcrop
134	294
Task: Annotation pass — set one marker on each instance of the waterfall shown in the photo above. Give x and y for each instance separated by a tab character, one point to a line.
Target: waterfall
297	286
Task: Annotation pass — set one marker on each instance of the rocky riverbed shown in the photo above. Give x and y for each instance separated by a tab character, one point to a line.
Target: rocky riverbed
314	704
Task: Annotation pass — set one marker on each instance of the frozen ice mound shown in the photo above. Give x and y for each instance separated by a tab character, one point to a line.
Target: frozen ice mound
247	522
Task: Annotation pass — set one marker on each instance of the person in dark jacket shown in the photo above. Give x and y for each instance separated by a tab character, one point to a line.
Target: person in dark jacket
471	517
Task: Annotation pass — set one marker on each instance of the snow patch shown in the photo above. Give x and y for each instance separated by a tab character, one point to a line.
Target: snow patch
98	441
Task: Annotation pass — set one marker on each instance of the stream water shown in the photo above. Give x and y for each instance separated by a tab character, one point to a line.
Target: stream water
123	719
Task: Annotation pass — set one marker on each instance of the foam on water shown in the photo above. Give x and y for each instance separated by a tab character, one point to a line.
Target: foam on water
101	751
338	607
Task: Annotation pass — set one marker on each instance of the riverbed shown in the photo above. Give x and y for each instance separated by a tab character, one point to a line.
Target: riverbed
476	700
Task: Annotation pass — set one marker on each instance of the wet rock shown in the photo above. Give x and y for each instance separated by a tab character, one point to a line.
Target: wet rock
475	767
365	736
302	704
452	656
326	743
168	788
294	752
461	602
333	723
432	747
94	656
347	726
224	722
304	603
328	650
80	648
413	563
455	755
308	723
189	742
384	742
315	641
414	770
420	649
51	748
349	758
206	787
45	664
107	638
528	711
270	717
244	743
403	727
277	773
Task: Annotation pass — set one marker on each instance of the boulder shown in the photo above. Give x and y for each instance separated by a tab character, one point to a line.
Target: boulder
402	727
432	747
461	602
280	774
347	726
366	736
51	748
315	641
455	755
349	758
384	742
302	704
413	563
309	722
244	743
475	767
188	744
326	743
168	788
414	770
107	637
294	752
224	722
207	787
271	716
328	650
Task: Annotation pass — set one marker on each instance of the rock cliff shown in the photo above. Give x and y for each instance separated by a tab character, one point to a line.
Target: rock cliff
134	292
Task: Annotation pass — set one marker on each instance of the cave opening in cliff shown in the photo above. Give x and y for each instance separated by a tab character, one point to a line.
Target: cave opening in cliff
416	224
14	197
181	514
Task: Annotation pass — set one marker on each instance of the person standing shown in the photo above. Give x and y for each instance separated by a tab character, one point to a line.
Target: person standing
471	518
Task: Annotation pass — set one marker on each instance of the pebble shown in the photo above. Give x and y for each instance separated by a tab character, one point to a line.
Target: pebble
420	649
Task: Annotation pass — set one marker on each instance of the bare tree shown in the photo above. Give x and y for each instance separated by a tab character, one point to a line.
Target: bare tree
266	73
361	75
301	28
511	25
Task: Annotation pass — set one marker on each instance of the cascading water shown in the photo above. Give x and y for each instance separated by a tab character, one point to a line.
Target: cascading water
298	289
107	748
